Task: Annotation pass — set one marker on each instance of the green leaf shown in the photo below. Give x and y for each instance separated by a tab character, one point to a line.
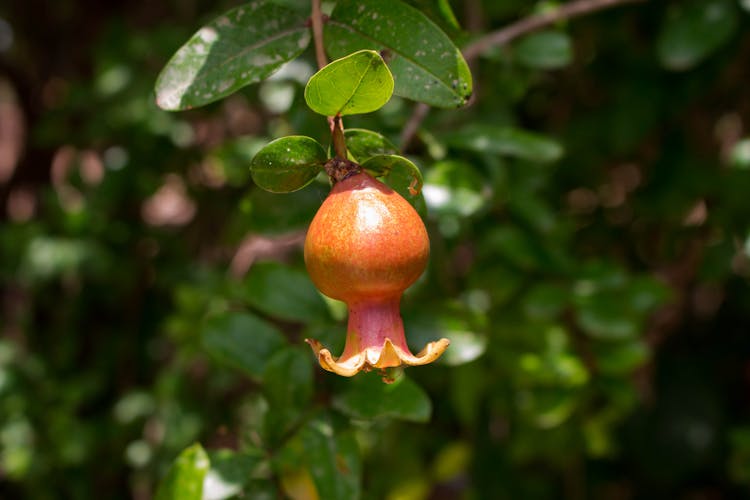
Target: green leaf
242	341
499	282
265	213
740	157
330	455
547	408
545	50
367	397
694	30
284	292
231	473
288	387
515	246
363	144
620	358
439	11
451	322
534	211
468	387
507	141
289	379
243	46
355	84
550	360
398	172
48	257
287	164
545	301
184	481
605	316
455	188
645	293
425	63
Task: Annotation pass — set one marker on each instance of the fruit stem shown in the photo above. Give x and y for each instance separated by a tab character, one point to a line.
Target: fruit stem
337	137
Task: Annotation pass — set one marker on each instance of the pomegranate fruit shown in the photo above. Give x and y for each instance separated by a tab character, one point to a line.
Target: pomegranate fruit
365	246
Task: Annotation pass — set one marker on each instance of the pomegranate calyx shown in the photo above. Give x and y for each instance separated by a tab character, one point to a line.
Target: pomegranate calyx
386	356
339	169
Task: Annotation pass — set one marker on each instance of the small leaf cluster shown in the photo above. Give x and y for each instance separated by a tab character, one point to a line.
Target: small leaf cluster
220	58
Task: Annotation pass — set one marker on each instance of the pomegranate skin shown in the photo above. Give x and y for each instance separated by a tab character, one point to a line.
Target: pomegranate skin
365	246
366	242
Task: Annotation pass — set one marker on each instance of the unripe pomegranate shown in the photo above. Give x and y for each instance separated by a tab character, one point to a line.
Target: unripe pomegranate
365	246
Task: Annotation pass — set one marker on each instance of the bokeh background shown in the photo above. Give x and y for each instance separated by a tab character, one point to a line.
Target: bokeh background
589	215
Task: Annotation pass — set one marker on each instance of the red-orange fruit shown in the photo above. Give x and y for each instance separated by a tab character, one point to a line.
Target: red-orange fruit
365	246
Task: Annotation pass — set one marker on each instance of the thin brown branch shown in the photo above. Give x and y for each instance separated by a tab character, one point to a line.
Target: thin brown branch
316	18
533	23
505	35
412	126
255	247
317	28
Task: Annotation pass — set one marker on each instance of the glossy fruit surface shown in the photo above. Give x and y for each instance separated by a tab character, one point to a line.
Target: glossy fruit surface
366	242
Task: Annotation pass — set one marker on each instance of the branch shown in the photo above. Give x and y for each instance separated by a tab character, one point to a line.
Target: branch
412	126
254	247
335	124
505	35
532	23
317	28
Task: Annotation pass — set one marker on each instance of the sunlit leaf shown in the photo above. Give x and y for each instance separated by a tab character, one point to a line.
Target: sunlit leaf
231	473
449	322
508	141
425	63
243	46
184	481
357	83
48	257
454	188
298	484
741	155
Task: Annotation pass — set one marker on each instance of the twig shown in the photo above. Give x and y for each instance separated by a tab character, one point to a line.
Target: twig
412	126
335	124
256	247
317	28
532	23
504	35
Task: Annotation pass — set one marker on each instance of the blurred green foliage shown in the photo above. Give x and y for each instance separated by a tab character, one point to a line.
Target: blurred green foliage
590	232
